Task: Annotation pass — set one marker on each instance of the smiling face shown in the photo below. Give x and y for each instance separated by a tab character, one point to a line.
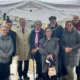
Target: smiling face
48	33
38	25
76	19
53	22
4	31
22	22
69	26
9	26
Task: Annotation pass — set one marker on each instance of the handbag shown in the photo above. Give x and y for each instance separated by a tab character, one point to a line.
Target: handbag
52	71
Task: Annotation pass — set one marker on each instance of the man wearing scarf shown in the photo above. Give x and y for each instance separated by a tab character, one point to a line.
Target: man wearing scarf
57	31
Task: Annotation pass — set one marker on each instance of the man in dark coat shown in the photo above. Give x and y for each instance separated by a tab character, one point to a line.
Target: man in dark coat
57	31
13	36
76	23
36	35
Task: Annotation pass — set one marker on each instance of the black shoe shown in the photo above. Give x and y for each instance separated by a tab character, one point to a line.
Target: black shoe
20	78
60	79
26	78
7	79
38	78
78	78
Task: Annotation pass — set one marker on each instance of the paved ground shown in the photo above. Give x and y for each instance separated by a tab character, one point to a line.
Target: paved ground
14	73
15	77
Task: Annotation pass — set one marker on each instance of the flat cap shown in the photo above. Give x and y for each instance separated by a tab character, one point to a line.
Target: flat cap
52	17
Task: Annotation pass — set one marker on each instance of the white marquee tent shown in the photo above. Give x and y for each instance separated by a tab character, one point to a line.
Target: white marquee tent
40	9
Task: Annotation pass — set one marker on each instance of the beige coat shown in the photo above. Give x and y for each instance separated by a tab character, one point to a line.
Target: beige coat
23	46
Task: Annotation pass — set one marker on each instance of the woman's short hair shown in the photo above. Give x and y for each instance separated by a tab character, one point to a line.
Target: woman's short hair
38	21
8	21
47	28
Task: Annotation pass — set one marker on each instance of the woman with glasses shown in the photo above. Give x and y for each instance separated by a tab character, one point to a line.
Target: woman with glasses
70	44
48	49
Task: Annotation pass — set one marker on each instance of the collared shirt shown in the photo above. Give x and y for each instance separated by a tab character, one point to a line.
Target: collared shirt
48	38
21	29
36	38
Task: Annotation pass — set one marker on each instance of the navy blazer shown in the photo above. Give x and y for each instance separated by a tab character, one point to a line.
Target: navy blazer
32	38
13	36
57	31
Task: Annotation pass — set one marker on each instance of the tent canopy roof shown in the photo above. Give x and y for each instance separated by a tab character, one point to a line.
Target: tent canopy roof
49	1
40	9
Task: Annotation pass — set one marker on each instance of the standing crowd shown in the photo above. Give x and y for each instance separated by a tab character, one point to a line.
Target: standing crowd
54	44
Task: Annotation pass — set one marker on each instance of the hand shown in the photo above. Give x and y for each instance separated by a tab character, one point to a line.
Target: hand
70	49
5	57
34	51
67	50
49	57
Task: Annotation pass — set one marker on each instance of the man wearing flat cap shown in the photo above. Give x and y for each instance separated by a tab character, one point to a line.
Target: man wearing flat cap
52	17
57	31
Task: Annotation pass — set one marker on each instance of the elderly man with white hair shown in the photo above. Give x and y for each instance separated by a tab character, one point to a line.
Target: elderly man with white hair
76	23
23	49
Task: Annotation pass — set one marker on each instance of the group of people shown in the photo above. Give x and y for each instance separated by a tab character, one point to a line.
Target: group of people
55	42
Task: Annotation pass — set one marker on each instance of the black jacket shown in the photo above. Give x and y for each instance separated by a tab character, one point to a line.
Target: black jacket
13	36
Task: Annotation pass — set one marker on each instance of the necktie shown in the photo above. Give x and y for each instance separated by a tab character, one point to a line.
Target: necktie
23	31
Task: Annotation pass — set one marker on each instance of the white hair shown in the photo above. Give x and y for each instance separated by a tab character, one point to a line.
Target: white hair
38	21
